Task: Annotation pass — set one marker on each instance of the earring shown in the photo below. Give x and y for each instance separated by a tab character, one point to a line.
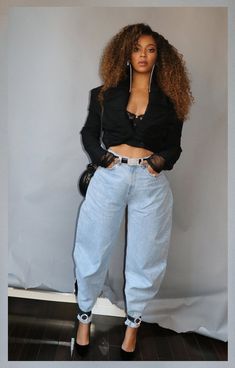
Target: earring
128	63
130	68
151	74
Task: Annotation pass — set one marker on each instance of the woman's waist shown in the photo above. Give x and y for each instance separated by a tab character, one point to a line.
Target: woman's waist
130	151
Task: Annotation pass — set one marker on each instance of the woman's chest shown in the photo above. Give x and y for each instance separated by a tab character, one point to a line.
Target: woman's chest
154	110
138	102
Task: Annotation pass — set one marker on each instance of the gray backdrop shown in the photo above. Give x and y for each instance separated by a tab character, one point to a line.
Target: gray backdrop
53	62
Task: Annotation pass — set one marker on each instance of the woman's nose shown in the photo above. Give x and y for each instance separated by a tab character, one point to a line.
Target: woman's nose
143	53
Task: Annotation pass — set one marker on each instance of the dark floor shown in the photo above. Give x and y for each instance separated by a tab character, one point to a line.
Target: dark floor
42	330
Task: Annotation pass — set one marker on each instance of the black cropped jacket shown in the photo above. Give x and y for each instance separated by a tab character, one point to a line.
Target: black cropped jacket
159	130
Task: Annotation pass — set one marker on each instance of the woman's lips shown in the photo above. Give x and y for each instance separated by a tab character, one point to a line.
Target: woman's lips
142	63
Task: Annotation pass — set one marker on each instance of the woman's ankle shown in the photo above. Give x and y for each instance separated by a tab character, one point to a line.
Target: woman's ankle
83	333
130	338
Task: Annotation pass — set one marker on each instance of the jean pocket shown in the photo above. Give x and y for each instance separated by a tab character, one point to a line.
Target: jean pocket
113	167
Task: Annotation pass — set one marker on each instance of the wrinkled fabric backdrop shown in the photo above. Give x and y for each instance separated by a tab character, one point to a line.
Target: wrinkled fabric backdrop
53	63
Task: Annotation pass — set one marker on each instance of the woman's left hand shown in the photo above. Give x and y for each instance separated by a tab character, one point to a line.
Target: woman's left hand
152	172
114	162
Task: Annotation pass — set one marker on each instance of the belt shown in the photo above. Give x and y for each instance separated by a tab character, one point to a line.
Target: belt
129	160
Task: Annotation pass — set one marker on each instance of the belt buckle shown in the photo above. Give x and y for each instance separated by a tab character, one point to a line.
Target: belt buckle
133	161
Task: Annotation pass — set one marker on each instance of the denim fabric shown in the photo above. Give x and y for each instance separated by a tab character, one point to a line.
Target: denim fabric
149	201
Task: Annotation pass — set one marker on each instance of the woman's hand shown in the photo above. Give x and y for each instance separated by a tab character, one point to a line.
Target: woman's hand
115	161
151	171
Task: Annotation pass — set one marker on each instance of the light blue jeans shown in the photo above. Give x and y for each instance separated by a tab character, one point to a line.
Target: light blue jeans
149	201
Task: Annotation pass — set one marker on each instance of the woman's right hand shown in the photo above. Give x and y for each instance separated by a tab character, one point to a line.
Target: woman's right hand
114	162
151	171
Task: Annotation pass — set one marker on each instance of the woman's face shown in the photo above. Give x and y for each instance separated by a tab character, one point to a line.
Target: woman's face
144	54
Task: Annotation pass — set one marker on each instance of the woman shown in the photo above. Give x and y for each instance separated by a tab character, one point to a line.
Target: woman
143	102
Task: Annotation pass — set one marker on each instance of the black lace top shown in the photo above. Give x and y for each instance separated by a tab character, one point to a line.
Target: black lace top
135	140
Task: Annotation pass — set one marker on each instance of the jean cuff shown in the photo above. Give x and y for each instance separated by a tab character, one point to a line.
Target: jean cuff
133	321
84	318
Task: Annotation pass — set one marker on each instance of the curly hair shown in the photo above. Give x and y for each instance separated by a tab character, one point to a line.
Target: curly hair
172	75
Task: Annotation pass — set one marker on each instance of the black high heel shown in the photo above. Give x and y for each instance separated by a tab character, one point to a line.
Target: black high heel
82	350
127	355
130	355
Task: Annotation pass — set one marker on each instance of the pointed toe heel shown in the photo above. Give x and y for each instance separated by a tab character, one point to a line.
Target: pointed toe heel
81	350
127	355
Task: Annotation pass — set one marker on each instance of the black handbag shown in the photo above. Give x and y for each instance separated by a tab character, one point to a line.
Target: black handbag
86	176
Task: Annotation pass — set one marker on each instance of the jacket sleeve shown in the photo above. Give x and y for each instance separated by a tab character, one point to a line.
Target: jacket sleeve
166	158
91	133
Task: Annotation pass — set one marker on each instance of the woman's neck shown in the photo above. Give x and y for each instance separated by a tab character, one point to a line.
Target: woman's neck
140	81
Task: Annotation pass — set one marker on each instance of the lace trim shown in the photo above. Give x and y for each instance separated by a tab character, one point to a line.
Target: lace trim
107	159
156	162
132	116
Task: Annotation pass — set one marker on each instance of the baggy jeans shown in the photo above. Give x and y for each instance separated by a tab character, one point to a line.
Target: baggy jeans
149	202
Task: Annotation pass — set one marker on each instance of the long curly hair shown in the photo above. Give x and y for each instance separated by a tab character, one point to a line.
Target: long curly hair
172	75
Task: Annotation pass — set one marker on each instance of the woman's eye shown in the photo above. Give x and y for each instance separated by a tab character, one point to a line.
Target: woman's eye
135	49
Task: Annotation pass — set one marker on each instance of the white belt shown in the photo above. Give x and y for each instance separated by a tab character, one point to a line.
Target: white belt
129	160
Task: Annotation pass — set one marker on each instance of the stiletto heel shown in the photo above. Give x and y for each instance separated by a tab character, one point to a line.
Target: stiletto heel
82	350
127	355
